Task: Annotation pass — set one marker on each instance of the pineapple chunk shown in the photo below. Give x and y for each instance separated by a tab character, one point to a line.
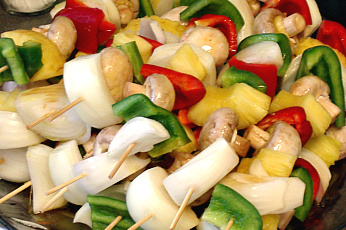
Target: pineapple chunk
7	100
250	104
276	163
318	116
325	147
270	221
53	61
245	164
186	61
189	147
144	47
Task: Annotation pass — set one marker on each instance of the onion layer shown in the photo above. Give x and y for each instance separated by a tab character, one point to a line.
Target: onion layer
147	195
83	78
218	159
14	166
13	132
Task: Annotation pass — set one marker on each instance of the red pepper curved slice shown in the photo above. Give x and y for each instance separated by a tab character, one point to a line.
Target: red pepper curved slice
300	162
189	89
290	7
268	73
332	34
294	116
92	28
152	42
221	22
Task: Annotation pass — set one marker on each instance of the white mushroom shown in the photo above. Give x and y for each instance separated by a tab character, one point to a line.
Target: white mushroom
117	70
64	34
210	39
319	89
284	138
128	10
264	21
257	136
340	135
104	138
157	87
272	20
223	122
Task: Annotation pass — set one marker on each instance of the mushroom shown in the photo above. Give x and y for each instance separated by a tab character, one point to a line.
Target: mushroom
180	158
257	136
210	39
157	87
284	138
64	34
104	138
340	135
272	20
223	122
319	89
117	70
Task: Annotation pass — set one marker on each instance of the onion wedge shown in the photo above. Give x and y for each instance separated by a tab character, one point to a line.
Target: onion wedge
84	78
218	159
13	132
38	157
147	195
97	169
14	166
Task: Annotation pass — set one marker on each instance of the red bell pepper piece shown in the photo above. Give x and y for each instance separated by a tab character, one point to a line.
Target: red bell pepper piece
294	116
300	162
290	7
221	22
332	34
92	28
267	72
189	89
152	42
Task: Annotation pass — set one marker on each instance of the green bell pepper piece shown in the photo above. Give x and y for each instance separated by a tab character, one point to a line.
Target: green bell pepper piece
9	51
31	54
226	204
282	41
145	8
232	76
6	74
140	105
302	211
104	210
322	61
197	8
131	50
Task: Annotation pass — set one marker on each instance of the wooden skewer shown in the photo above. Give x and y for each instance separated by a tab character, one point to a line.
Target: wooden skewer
55	198
140	222
113	223
44	117
74	179
181	209
15	192
229	225
121	161
63	110
4	68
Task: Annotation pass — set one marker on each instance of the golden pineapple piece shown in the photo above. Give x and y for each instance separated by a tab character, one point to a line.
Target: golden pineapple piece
53	61
270	221
318	116
325	147
185	60
144	47
244	165
250	104
276	163
191	146
7	100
